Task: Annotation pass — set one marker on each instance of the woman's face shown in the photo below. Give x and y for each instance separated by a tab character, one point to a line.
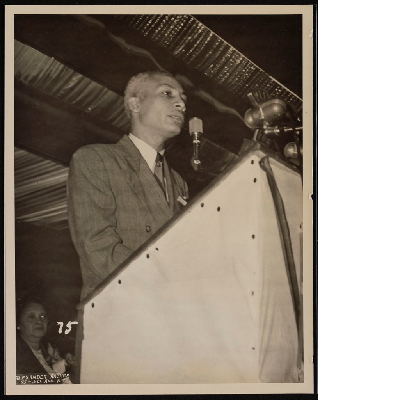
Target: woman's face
33	322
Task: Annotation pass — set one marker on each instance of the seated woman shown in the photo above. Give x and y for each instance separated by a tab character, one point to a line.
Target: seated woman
33	357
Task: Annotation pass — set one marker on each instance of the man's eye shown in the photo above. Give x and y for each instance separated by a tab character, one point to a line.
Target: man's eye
43	316
167	93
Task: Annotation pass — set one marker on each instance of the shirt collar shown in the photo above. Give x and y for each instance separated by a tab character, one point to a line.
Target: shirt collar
147	152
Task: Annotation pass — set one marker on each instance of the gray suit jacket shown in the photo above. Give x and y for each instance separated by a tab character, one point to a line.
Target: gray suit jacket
115	204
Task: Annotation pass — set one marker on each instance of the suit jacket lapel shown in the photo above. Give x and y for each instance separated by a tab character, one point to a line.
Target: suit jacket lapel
143	181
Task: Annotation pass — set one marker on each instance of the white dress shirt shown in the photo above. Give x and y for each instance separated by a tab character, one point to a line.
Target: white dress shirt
147	152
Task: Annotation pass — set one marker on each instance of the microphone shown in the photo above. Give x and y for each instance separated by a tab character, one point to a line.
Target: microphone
292	150
195	130
265	114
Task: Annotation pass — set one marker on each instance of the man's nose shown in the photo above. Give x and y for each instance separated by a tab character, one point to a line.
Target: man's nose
180	104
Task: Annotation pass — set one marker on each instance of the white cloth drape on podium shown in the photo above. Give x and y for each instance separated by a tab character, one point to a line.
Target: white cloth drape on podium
209	301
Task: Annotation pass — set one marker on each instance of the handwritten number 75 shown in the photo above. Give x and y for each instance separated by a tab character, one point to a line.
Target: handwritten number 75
68	330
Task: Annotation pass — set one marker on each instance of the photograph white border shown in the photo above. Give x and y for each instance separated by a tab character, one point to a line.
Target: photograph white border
308	385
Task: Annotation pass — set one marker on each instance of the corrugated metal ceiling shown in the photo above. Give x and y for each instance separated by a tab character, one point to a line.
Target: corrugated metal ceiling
40	190
45	74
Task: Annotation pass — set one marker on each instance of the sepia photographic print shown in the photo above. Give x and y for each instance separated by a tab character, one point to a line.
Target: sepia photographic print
159	199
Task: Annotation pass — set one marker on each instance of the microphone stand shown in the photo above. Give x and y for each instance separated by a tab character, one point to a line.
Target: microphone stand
195	160
196	163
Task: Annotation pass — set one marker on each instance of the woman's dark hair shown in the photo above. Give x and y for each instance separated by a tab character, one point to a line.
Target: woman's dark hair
24	301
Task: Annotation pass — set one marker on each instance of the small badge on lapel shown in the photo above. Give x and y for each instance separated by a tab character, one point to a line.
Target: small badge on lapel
182	200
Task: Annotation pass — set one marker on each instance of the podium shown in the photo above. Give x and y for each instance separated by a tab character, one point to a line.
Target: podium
215	296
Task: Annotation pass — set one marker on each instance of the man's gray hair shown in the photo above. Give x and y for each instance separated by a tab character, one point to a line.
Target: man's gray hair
133	87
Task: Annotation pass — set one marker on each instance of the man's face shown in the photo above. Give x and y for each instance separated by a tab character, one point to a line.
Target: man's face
33	322
162	107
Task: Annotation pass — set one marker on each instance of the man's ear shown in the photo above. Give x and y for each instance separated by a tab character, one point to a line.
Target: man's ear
134	104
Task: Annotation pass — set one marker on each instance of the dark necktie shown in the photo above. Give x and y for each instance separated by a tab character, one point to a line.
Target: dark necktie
159	171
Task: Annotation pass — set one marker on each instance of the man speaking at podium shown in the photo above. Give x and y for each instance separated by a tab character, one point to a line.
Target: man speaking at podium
120	194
